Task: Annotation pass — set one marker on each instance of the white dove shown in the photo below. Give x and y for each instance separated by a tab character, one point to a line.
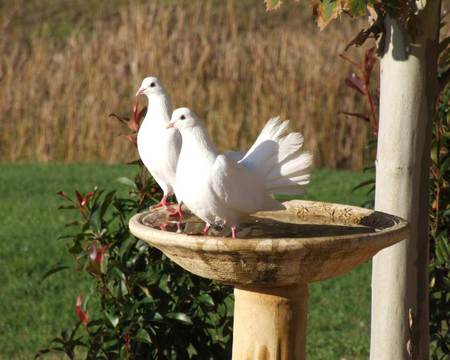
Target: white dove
158	147
215	186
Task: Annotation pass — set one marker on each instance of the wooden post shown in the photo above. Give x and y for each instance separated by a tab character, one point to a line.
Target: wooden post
270	324
408	91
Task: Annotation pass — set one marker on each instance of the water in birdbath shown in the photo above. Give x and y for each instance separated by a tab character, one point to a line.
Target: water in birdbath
258	227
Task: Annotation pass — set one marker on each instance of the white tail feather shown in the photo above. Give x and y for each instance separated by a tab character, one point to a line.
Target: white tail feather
292	166
288	181
278	158
266	145
288	145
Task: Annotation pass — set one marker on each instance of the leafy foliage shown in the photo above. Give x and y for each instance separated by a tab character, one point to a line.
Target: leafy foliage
361	82
325	11
145	306
440	217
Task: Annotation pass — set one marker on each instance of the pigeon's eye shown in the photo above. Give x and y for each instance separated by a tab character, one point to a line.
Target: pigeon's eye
182	117
152	84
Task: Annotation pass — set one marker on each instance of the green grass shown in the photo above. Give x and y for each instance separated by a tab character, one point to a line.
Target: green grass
32	312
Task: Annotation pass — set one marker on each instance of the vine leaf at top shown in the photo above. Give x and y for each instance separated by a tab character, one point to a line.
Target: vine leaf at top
272	4
325	11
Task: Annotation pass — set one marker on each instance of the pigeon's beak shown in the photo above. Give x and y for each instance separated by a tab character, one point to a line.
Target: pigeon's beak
139	92
170	125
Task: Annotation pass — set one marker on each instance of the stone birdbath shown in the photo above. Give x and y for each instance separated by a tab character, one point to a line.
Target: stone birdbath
276	255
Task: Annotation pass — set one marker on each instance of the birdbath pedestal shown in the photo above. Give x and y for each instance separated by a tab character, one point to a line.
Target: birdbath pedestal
272	262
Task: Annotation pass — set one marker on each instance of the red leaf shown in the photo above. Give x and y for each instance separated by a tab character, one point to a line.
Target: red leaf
142	113
64	195
356	83
93	251
132	139
137	116
101	254
135	110
85	199
127	341
353	62
79	196
82	314
133	126
369	61
97	254
123	120
358	115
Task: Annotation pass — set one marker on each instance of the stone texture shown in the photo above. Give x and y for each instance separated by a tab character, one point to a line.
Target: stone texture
277	255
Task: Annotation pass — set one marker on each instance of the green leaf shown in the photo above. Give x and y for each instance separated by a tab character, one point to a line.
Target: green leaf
329	7
442	249
41	352
444	44
181	317
95	220
445	166
113	319
55	270
66	207
206	299
117	273
355	7
106	202
272	4
157	317
143	336
126	181
325	11
364	183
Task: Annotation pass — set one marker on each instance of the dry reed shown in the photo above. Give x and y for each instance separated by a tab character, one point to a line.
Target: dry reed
234	65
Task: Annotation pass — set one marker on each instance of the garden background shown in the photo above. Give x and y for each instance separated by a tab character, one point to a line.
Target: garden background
66	65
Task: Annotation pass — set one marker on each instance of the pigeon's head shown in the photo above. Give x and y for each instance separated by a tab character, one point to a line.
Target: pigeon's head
151	86
183	118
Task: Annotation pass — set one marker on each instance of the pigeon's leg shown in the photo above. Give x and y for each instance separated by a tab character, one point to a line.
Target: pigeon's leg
177	212
179	230
162	203
233	232
206	229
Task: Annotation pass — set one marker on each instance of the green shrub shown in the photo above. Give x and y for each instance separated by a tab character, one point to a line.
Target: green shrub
144	306
440	217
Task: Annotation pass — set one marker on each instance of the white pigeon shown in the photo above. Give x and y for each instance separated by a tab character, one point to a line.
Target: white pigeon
158	147
217	187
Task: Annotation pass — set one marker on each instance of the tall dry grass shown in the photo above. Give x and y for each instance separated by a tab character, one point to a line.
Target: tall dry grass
233	64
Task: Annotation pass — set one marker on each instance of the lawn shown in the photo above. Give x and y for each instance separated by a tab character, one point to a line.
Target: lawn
32	312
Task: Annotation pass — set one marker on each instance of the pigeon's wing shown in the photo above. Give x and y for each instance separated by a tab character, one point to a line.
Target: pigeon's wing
238	187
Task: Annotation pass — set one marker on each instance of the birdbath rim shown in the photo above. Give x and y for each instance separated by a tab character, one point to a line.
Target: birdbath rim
282	261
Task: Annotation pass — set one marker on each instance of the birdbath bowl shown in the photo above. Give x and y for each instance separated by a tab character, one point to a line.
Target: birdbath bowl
276	255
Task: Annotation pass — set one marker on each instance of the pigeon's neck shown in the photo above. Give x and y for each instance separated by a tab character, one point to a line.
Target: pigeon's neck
160	107
197	143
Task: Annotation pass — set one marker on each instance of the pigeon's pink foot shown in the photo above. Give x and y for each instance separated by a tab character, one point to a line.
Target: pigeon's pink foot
177	212
179	230
165	204
206	229
162	203
233	232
